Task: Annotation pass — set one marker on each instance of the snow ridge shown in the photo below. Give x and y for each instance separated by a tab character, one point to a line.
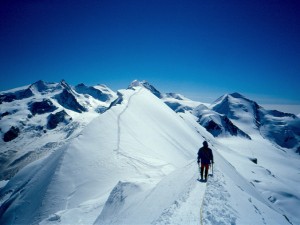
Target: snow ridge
119	120
135	163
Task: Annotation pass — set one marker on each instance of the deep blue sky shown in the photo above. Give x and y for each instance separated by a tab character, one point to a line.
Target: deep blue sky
201	48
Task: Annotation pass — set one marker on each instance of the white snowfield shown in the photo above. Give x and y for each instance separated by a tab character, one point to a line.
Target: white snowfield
136	164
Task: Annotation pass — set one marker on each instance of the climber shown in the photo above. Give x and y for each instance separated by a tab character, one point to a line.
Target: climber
206	157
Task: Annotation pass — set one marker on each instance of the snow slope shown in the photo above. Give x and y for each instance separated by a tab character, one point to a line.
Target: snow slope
135	164
141	140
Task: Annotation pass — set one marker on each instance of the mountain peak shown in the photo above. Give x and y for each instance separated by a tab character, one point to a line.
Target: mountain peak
44	87
236	95
65	84
137	83
146	85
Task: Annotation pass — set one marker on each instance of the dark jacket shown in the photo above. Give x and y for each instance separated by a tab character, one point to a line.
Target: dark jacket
205	155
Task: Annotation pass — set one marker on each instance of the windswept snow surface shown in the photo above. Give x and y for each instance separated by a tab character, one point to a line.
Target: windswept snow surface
275	176
135	164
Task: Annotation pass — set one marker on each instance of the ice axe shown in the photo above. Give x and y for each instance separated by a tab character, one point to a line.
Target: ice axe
212	170
199	170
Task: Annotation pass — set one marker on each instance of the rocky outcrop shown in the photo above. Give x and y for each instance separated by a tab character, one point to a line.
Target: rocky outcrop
18	95
42	107
11	134
4	114
68	101
220	125
59	117
279	127
217	124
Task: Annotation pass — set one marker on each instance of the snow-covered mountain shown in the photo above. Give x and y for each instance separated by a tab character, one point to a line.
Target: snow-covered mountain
217	124
40	117
176	102
130	158
281	128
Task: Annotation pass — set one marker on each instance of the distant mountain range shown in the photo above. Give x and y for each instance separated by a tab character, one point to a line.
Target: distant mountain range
230	113
77	144
42	108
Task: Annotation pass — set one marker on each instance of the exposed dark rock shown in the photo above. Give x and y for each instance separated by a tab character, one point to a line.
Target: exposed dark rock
59	117
18	95
66	86
4	114
7	98
232	129
213	128
277	113
44	106
254	160
67	100
11	134
216	128
118	100
279	127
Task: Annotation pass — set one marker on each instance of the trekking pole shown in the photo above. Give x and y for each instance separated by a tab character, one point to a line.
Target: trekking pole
199	170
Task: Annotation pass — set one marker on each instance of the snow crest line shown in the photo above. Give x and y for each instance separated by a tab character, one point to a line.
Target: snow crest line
119	119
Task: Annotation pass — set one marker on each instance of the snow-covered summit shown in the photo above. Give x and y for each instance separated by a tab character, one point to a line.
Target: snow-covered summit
281	128
237	107
42	115
175	101
146	85
217	124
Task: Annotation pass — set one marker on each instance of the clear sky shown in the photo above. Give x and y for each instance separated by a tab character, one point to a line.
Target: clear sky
201	48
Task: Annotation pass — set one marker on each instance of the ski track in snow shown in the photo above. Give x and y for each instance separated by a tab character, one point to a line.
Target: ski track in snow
119	120
179	212
134	161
